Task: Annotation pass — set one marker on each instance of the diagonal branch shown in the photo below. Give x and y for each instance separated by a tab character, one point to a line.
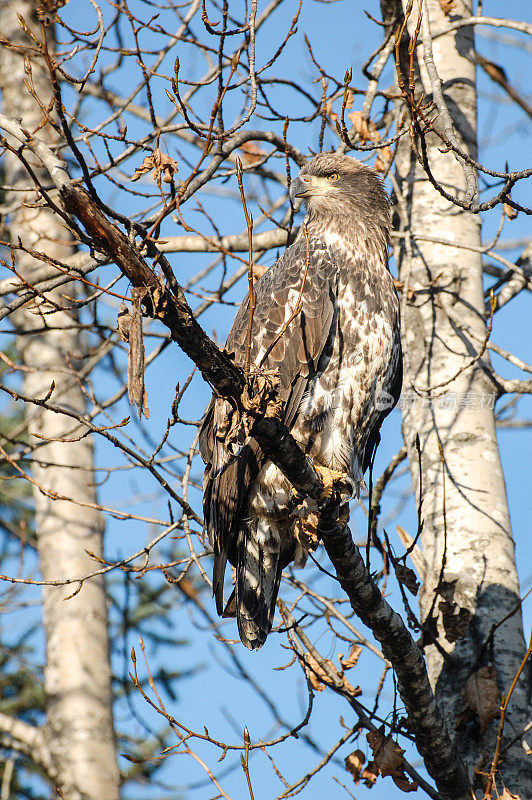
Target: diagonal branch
432	738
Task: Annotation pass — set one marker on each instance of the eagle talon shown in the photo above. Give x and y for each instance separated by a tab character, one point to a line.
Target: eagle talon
330	478
345	496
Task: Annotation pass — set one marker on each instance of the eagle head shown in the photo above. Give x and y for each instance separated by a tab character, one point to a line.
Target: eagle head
331	184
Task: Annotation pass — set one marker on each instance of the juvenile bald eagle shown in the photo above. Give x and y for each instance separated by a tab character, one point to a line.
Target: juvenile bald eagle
340	371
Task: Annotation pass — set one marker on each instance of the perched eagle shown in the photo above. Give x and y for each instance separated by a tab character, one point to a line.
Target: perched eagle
326	322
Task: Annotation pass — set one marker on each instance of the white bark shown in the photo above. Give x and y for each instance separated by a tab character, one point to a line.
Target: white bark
479	553
79	726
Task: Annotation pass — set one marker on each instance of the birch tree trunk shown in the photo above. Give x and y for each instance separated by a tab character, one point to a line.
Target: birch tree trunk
466	539
79	725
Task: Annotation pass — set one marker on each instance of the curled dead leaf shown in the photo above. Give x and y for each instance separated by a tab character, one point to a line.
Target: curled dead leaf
352	658
370	774
333	116
354	763
411	293
130	326
330	113
123	322
509	211
363	126
387	753
160	164
316	674
368	133
258	271
47	10
350	98
383	160
407	577
354	691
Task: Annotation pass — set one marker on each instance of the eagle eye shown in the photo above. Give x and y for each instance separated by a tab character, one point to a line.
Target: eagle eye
333	177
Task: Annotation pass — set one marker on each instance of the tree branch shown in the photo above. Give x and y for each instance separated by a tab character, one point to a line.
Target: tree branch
27	739
237	243
432	737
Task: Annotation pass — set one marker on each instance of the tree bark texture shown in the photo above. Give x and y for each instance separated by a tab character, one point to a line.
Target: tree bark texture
466	538
79	725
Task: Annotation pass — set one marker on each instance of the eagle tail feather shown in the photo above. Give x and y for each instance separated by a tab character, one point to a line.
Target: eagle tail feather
220	561
230	607
257	580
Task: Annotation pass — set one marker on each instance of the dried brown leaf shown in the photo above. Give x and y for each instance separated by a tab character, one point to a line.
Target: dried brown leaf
253	153
330	113
47	9
405	784
135	363
317	676
158	298
305	525
306	532
507	795
411	293
509	211
364	127
333	116
370	774
352	658
354	763
354	691
481	695
455	620
258	271
407	577
188	589
383	160
160	164
446	6
388	756
388	759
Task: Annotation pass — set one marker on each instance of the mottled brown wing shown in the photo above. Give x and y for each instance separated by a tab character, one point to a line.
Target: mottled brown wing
297	352
296	355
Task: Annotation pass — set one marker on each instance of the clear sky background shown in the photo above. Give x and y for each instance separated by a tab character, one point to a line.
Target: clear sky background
342	36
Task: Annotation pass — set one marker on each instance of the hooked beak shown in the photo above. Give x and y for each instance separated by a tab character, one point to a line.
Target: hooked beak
297	192
303	188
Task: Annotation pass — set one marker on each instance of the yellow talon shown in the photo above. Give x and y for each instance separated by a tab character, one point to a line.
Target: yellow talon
329	478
